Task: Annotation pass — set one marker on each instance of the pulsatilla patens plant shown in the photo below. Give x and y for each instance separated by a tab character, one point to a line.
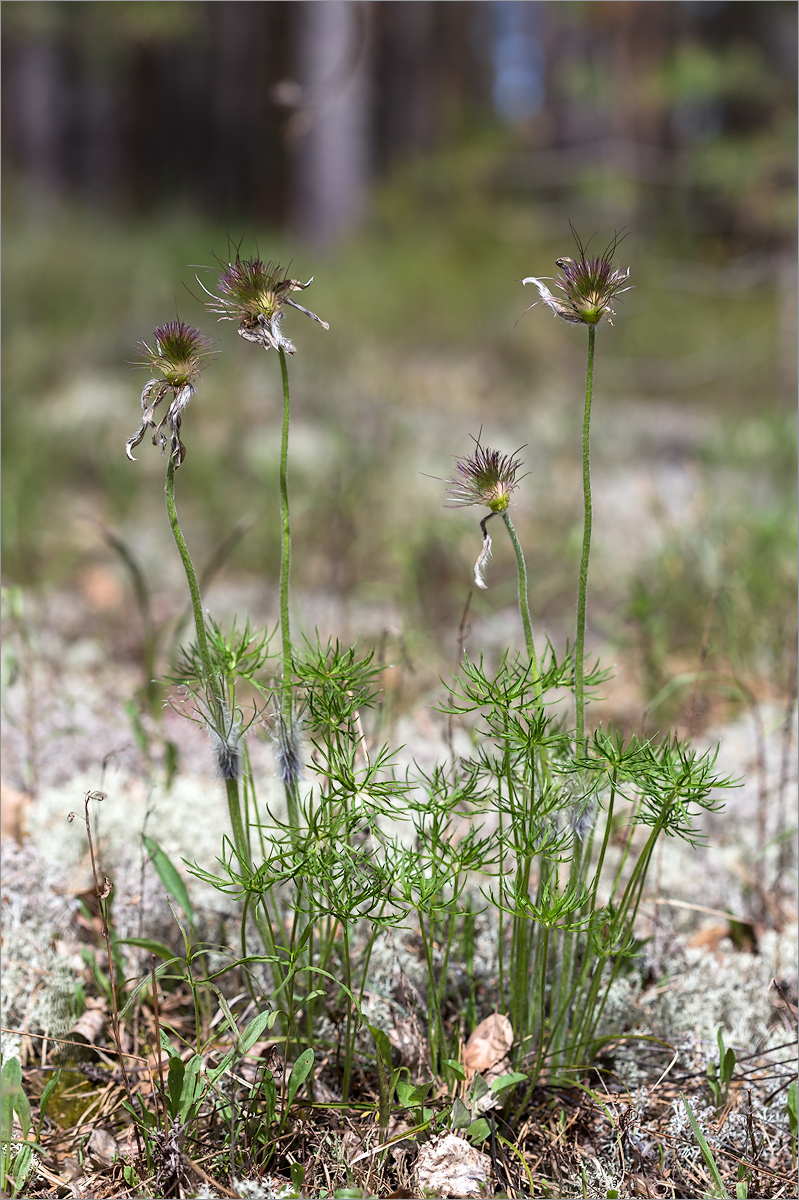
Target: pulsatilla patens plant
520	827
565	932
254	293
176	355
589	287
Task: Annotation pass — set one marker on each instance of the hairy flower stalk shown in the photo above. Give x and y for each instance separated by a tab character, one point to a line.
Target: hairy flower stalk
176	357
588	286
254	293
488	477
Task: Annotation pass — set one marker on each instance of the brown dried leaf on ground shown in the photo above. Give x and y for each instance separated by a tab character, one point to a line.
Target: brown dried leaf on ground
486	1052
102	1146
448	1166
13	812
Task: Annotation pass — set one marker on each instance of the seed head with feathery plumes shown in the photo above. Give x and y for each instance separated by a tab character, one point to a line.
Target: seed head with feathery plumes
485	477
589	285
177	355
253	293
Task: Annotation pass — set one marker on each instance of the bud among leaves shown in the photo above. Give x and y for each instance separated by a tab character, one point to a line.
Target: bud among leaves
177	355
288	750
253	293
589	285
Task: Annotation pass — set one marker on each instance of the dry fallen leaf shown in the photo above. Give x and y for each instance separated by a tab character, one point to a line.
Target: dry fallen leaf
489	1045
448	1166
13	812
103	1146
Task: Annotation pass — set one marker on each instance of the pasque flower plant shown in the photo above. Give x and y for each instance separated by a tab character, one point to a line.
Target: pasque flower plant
589	287
323	887
176	355
254	293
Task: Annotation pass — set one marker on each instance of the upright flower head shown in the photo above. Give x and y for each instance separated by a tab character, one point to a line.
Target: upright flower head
253	293
176	357
485	477
589	285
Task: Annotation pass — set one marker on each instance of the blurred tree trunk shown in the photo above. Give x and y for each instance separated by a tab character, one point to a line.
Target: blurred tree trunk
408	74
330	131
37	85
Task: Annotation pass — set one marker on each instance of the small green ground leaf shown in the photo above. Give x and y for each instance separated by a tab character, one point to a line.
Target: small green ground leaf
478	1131
168	874
706	1151
506	1081
461	1116
177	1072
299	1073
455	1066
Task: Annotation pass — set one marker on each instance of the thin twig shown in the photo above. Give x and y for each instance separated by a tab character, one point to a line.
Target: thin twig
102	896
156	1017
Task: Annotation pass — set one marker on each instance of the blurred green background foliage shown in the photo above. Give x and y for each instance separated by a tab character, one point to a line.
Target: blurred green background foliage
162	131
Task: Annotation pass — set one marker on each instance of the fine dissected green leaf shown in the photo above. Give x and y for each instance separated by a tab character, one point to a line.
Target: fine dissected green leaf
478	1131
299	1073
706	1151
169	876
506	1081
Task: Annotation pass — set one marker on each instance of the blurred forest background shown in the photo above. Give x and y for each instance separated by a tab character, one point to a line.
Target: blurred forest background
418	159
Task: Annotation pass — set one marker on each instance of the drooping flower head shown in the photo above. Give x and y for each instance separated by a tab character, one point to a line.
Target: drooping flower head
177	355
589	285
253	293
485	477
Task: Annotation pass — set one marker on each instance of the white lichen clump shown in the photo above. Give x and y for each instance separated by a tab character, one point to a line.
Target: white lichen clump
38	980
